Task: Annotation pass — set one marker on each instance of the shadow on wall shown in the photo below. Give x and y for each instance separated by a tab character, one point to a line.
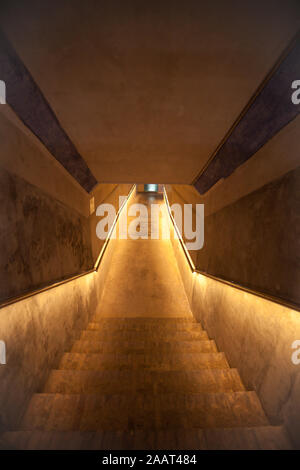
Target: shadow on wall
254	241
258	243
41	240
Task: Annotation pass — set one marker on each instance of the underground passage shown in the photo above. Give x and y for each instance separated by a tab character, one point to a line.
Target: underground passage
136	315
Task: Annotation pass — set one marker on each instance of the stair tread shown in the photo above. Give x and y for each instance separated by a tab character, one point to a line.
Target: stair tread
85	381
144	335
239	438
154	361
141	320
147	347
111	326
145	383
90	412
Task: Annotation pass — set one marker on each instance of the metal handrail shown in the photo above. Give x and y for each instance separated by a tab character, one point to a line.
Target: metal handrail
271	298
95	268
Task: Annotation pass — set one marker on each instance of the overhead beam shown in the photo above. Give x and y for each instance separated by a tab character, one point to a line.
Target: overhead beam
271	110
31	106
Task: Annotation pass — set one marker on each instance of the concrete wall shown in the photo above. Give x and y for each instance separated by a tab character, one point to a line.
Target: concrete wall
251	237
41	239
252	220
25	156
38	330
256	335
47	232
254	241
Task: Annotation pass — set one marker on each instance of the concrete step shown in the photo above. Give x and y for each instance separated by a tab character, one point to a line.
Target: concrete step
125	412
255	438
116	336
143	322
144	347
152	361
128	381
137	326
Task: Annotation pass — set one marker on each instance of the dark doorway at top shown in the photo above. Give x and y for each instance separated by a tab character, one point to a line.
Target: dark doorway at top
153	188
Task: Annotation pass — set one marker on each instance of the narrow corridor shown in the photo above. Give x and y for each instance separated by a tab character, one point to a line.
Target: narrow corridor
144	373
143	280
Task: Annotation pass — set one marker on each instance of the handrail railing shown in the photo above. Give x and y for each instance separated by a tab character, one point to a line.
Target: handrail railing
271	298
95	268
278	300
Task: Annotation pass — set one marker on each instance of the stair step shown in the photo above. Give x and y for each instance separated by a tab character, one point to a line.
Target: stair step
258	438
165	329
151	361
144	322
136	383
128	381
153	325
146	347
142	411
116	336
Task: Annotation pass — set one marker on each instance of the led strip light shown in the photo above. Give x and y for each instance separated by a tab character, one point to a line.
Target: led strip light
188	256
268	297
96	265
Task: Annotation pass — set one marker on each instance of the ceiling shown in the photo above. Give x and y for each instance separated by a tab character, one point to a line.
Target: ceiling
147	90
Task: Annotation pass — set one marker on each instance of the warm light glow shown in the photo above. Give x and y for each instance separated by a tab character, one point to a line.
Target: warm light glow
204	278
113	227
190	261
151	187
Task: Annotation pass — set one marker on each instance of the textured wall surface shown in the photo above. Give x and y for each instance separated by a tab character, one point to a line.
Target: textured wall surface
254	241
24	155
41	239
29	103
271	110
38	330
256	336
276	158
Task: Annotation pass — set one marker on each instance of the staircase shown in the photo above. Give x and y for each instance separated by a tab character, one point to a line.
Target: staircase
145	383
